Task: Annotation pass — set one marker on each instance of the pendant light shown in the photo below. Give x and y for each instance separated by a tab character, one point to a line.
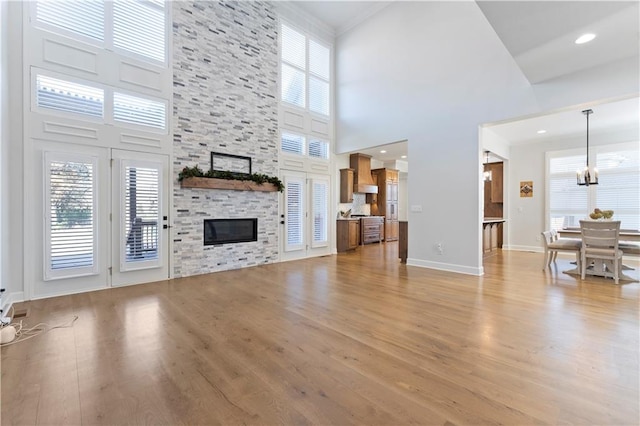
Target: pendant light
587	176
487	173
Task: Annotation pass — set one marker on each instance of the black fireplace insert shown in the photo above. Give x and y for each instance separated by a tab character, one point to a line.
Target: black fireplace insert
224	231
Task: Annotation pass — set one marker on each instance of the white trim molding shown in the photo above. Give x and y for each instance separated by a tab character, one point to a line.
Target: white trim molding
448	267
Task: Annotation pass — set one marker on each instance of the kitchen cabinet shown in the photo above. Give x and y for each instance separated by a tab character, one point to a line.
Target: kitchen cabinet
497	182
348	233
386	202
346	185
371	229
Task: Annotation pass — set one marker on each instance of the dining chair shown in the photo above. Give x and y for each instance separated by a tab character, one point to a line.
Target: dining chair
553	245
600	239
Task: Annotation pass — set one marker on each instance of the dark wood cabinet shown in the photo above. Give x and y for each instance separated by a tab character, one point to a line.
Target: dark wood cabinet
348	233
346	185
371	229
403	241
386	202
497	182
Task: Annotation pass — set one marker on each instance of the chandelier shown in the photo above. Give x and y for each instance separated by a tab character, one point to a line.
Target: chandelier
588	176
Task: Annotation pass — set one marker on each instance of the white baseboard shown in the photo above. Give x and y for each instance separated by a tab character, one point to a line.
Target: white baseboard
534	249
449	267
10	299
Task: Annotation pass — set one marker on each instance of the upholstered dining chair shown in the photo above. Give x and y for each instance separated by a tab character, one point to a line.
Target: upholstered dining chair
600	244
553	245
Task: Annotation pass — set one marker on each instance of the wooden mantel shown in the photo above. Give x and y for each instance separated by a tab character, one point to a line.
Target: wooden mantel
236	185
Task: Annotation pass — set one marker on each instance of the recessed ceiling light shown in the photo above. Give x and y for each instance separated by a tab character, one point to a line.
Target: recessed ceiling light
541	131
585	38
383	152
404	156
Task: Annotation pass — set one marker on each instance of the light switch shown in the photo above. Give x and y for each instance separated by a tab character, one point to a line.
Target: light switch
416	209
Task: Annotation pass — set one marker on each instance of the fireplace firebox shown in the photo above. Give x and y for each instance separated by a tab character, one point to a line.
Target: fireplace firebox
225	231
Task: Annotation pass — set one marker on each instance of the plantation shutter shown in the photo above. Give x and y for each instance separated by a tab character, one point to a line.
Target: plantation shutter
141	199
68	96
319	149
141	111
295	213
568	202
320	200
70	216
293	67
619	186
139	27
293	144
84	17
319	68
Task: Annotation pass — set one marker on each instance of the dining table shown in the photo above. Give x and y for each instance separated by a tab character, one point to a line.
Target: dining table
628	243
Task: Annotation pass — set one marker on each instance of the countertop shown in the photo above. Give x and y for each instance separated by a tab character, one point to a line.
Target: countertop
488	220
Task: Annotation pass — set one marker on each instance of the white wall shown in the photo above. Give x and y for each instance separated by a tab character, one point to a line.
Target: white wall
526	216
435	86
11	171
432	73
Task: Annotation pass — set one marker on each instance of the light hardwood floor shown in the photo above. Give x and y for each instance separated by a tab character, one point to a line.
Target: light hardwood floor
351	339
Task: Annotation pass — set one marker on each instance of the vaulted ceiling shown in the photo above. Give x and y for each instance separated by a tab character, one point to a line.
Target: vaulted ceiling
540	36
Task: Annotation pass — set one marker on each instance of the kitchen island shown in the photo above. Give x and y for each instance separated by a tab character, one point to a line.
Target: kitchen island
491	235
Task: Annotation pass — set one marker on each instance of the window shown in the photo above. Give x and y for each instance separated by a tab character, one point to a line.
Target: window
139	27
305	72
618	188
294	196
320	200
136	110
319	149
70	216
141	194
67	96
85	18
134	26
85	100
291	143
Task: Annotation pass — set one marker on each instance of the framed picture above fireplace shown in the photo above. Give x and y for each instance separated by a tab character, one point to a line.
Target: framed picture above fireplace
230	163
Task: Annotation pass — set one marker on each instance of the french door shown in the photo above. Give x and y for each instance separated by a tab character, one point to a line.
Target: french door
104	215
304	213
139	217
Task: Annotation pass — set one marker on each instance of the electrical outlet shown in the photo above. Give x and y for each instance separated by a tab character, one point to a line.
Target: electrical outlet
538	238
440	248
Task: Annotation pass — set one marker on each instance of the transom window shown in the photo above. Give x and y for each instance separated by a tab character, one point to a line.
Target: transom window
291	143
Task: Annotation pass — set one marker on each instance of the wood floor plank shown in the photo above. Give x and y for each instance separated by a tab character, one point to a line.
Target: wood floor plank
351	339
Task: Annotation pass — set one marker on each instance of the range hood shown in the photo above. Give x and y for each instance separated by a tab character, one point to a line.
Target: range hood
362	181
